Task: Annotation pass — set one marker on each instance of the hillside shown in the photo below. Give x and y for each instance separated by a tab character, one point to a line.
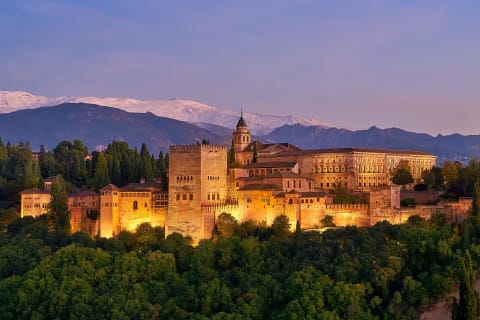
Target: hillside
96	126
177	108
453	147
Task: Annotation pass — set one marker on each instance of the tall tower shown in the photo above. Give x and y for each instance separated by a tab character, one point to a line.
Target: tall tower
241	135
197	176
109	218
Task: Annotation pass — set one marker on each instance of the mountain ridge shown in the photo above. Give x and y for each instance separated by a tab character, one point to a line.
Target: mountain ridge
98	126
179	109
446	147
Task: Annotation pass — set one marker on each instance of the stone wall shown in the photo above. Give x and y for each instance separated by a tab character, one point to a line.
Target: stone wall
421	197
197	176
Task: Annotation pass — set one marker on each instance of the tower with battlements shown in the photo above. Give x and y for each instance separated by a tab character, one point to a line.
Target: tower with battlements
197	177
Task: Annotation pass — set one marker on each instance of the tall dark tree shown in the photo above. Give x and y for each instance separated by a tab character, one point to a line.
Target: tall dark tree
58	212
48	165
468	306
162	170
439	183
102	177
3	151
451	172
476	199
63	157
134	166
146	167
114	170
78	170
255	153
231	156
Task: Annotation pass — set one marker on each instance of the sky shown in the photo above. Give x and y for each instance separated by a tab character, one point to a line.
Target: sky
408	64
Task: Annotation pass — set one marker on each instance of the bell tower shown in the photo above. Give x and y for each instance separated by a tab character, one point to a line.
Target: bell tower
241	135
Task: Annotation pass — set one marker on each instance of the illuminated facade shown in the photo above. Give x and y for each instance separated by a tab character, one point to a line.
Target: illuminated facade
34	202
84	206
284	180
197	178
360	169
127	207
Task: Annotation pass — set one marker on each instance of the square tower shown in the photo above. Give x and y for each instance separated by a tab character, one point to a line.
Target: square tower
197	176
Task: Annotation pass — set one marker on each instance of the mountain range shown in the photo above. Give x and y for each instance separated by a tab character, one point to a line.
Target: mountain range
449	147
180	109
98	125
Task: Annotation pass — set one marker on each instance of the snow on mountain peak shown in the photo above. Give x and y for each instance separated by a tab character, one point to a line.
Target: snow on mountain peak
176	108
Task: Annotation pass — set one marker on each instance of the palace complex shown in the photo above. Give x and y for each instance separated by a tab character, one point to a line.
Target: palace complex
268	180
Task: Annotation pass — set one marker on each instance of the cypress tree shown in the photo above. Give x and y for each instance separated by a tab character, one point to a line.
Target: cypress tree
58	212
231	156
255	153
102	177
468	306
146	167
476	199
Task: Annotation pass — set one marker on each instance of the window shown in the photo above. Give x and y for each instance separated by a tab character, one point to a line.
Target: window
135	205
191	197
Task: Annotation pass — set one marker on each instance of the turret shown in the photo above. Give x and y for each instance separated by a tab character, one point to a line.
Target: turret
241	135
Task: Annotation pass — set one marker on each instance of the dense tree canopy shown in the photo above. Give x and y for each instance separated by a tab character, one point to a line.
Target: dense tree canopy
383	272
247	270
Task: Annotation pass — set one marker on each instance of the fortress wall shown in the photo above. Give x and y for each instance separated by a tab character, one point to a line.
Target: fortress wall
197	175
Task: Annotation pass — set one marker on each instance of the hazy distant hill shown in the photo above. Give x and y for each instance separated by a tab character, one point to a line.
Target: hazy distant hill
445	147
180	109
97	125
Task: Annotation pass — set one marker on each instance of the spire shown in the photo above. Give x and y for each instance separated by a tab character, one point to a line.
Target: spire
241	121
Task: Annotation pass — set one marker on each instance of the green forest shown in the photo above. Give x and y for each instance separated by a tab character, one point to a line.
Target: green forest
245	271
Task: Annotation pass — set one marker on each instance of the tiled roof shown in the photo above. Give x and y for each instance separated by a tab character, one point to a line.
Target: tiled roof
83	193
109	187
288	174
302	194
353	150
241	122
280	164
260	186
145	187
35	191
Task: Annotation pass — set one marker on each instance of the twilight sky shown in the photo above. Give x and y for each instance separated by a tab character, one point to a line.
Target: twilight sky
353	63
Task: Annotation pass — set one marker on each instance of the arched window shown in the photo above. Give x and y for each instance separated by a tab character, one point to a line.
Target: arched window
135	205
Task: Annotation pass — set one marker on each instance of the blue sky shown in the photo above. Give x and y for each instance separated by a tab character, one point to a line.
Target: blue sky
353	63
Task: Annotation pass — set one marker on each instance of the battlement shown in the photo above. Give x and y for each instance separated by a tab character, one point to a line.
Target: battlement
195	148
347	206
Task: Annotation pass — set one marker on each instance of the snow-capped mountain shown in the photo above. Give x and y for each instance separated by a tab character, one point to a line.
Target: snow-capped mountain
180	109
